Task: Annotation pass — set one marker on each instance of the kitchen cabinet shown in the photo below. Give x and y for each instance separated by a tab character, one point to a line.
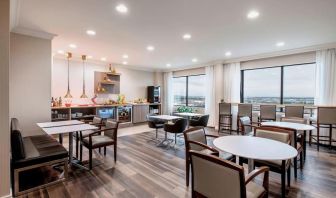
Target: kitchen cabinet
140	111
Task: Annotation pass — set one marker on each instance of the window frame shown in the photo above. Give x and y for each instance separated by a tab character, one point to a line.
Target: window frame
187	89
281	79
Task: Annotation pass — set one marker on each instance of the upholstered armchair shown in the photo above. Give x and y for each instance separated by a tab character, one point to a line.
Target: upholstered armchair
154	124
216	178
196	139
177	127
199	121
97	139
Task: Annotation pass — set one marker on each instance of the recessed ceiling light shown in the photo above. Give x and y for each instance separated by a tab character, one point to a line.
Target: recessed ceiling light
89	56
103	59
125	56
125	62
280	44
186	36
150	48
60	51
194	60
122	8
228	53
168	65
73	46
253	14
90	32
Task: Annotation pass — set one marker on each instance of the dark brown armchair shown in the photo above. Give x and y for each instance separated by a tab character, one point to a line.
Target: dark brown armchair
200	121
196	139
215	177
98	140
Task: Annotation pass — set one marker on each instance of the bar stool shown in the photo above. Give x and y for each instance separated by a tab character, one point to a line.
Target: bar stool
267	113
326	118
244	110
225	117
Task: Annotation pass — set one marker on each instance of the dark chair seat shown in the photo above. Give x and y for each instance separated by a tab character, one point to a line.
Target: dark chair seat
98	141
40	149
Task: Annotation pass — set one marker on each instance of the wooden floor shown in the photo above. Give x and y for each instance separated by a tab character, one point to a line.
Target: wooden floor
144	170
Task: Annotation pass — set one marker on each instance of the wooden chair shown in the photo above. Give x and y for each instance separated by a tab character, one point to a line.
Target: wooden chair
216	178
246	126
196	139
96	121
326	118
98	140
278	166
267	113
225	117
244	110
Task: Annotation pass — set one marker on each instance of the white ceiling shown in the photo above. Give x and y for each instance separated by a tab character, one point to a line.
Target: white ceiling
216	26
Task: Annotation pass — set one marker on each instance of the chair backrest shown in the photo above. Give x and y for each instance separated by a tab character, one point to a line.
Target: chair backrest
17	147
224	108
97	120
245	124
203	120
180	125
245	110
112	127
274	133
196	134
268	112
215	177
294	111
294	120
326	115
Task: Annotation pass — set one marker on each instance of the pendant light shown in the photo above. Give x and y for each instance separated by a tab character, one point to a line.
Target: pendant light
83	94
68	94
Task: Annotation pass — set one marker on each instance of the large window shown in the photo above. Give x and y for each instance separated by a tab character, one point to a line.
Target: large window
292	84
189	91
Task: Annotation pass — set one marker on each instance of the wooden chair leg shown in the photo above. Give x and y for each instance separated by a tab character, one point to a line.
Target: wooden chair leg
104	150
77	144
99	149
187	172
230	120
283	179
310	137
295	167
288	176
80	152
318	137
115	152
301	160
90	158
330	136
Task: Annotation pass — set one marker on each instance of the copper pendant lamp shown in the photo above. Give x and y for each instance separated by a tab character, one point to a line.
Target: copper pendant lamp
83	94
68	94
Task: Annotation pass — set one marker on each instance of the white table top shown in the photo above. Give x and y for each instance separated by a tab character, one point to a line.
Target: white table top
255	148
59	123
188	114
166	117
68	129
291	125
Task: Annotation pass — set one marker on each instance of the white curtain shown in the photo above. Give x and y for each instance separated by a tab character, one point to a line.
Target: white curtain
168	93
210	96
231	82
231	91
325	84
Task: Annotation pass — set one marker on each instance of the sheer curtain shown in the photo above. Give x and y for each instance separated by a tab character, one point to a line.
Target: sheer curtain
168	93
231	91
325	84
210	96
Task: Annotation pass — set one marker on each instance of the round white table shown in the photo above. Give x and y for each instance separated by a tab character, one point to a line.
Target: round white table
254	148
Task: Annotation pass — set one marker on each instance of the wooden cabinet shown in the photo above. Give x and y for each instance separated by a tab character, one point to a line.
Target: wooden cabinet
140	112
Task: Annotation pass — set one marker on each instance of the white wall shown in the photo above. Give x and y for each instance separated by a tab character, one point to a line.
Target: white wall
4	98
30	81
133	83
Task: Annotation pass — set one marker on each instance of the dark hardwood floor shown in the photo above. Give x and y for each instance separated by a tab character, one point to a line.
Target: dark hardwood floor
144	170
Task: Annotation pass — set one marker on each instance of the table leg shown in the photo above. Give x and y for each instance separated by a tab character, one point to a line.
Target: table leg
161	144
250	165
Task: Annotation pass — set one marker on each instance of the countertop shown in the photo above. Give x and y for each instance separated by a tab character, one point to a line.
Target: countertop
98	106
